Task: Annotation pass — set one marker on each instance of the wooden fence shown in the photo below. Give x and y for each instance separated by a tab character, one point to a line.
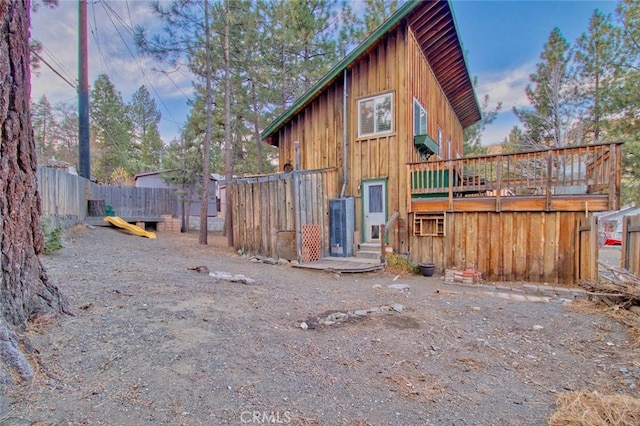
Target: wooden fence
505	246
630	259
271	211
64	198
587	249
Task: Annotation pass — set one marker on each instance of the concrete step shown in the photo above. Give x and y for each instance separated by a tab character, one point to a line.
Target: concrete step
368	251
368	254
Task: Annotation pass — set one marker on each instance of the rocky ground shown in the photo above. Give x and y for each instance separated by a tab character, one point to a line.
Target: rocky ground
154	342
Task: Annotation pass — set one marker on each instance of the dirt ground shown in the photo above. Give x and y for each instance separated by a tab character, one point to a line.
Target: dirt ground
153	342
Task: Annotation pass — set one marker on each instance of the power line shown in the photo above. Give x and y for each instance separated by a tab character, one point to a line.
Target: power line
55	60
144	74
53	69
130	30
95	37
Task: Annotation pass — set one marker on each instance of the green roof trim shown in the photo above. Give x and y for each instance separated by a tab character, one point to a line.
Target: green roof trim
366	44
336	70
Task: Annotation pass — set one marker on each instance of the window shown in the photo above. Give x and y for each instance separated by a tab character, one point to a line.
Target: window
429	225
374	115
419	119
439	142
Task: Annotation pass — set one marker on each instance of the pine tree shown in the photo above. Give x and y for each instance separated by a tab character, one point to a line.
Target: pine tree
65	133
145	117
625	98
514	142
594	56
26	292
550	95
187	35
112	129
43	128
182	167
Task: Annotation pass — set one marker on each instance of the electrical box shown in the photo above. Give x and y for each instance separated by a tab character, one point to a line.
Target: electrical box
341	226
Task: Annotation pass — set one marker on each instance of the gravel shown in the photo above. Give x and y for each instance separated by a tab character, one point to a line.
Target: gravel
154	342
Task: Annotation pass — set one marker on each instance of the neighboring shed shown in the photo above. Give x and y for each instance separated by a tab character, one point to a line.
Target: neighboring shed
155	180
610	223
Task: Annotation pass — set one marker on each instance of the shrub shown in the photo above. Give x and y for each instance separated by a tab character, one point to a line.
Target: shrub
400	265
52	237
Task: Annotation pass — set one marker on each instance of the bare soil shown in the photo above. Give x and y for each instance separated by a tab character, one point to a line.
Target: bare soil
153	342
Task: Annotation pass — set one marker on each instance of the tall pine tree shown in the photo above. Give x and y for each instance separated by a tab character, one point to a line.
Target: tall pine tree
145	117
548	120
111	129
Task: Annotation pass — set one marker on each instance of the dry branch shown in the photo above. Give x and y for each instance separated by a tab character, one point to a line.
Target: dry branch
619	282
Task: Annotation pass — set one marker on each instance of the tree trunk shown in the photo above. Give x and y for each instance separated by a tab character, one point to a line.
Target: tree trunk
228	166
206	160
25	289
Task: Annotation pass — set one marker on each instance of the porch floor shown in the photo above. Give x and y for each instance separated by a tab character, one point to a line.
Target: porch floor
343	264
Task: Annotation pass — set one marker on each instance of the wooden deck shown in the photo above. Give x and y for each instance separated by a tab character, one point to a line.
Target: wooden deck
582	178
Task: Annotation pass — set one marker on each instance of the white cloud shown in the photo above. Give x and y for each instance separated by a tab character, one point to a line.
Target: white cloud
507	86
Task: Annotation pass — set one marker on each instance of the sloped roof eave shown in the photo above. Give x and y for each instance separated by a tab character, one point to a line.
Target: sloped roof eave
466	120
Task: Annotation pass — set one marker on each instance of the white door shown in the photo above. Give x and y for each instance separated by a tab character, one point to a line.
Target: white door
374	204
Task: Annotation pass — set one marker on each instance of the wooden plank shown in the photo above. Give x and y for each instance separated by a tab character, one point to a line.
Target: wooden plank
508	247
273	216
550	247
521	237
566	247
535	251
483	241
494	268
630	259
471	240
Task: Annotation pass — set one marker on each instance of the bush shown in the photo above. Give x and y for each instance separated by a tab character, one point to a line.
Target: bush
52	237
400	265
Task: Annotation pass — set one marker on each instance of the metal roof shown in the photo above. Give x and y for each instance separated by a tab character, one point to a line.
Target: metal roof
435	29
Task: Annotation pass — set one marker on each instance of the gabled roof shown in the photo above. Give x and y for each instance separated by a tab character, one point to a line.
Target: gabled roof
436	31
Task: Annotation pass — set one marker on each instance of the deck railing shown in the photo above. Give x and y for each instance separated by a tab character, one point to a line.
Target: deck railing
579	170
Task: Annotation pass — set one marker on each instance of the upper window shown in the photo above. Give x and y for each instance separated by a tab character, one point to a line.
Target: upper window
419	119
439	142
374	115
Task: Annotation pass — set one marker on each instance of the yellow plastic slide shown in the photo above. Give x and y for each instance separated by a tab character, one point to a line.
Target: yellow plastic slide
135	230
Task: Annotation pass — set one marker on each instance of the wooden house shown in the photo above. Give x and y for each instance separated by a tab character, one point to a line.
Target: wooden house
389	118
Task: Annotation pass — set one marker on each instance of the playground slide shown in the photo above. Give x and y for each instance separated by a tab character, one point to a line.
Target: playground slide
135	230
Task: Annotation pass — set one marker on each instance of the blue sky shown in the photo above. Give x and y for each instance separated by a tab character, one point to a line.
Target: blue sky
503	40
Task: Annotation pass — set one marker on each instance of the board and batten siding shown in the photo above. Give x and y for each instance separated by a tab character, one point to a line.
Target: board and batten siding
395	65
424	86
506	246
382	70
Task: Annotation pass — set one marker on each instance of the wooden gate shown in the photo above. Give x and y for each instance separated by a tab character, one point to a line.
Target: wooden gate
630	259
587	249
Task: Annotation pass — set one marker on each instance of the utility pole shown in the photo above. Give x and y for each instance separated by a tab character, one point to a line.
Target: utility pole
83	92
